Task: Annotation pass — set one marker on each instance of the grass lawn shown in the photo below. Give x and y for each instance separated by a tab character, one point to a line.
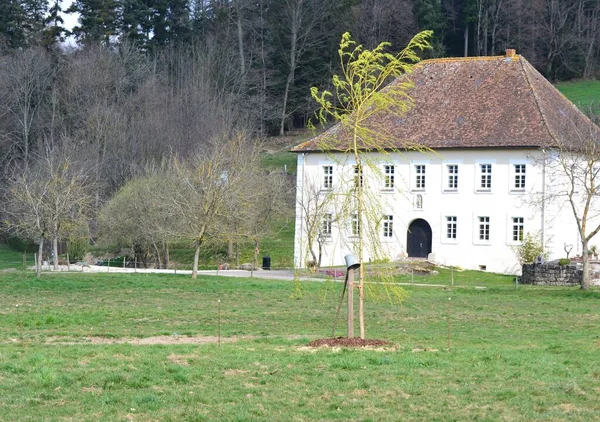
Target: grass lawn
581	93
10	258
523	354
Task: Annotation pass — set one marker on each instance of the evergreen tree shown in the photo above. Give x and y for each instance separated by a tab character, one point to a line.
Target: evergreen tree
98	20
21	23
54	31
431	17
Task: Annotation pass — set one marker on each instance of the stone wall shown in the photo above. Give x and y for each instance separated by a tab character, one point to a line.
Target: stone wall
552	274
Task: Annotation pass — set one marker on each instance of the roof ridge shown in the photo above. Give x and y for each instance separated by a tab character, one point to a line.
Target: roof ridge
537	101
467	59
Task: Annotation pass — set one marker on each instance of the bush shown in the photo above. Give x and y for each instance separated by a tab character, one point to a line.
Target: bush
564	261
531	248
77	249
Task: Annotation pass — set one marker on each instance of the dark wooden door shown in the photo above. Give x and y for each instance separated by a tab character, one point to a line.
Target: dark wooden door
418	239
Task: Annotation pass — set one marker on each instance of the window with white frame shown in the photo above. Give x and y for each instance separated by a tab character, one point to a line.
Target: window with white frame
451	227
355	225
420	176
327	225
358	176
484	229
485	176
519	170
327	177
389	176
452	176
388	226
518	228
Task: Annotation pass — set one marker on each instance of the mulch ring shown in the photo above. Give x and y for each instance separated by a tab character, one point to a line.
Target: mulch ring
348	342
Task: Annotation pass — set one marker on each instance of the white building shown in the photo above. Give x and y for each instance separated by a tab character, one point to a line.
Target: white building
489	123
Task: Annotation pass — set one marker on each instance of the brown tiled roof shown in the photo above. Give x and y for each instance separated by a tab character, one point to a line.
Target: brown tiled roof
476	102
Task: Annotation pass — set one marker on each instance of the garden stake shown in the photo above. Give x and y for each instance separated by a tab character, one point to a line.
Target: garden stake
68	262
452	275
25	261
108	265
135	264
219	322
412	275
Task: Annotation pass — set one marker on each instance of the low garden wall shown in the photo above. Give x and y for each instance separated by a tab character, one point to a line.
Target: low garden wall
551	275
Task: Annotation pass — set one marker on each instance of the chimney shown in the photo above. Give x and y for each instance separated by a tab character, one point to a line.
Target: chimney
510	52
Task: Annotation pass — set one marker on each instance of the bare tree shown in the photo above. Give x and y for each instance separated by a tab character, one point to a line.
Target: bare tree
315	205
25	84
46	199
198	201
574	168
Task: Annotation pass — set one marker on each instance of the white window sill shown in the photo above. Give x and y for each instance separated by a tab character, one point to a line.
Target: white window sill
483	190
516	191
482	242
449	241
450	191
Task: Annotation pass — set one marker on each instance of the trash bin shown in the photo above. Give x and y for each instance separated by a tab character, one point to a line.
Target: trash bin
266	263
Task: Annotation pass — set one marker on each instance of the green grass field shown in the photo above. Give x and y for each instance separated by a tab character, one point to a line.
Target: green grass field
582	93
526	354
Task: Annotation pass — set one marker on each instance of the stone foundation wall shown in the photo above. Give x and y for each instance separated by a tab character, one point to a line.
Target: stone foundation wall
551	275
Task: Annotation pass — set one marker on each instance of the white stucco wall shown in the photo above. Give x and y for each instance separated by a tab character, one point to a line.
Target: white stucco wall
467	203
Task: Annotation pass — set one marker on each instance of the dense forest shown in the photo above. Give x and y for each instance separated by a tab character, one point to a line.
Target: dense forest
138	84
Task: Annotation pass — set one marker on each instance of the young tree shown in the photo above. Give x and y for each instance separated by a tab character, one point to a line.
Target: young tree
363	90
574	169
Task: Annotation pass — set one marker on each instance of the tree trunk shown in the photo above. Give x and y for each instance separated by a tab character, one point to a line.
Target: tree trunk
55	251
585	281
256	250
295	28
166	255
196	259
38	264
466	40
240	35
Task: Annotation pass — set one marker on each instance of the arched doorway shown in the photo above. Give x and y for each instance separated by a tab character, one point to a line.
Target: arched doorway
418	239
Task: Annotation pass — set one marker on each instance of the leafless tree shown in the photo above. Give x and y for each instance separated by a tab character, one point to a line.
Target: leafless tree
45	200
574	168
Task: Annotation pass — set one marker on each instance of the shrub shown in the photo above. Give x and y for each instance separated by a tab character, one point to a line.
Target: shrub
77	249
564	261
531	248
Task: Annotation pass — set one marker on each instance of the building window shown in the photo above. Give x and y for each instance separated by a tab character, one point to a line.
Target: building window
420	176
355	225
484	228
452	176
520	176
327	177
518	228
388	177
388	226
485	171
451	228
326	227
358	176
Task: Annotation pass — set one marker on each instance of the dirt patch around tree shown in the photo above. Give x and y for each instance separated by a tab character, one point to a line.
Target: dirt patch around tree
348	342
